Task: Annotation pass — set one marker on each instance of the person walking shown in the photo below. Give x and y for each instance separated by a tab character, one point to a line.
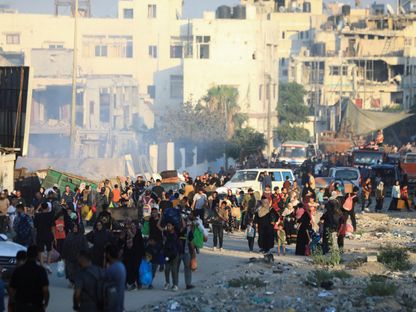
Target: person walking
116	274
86	298
263	219
303	238
171	254
133	253
200	202
219	220
366	195
380	194
29	285
395	195
250	234
186	250
74	243
45	232
99	238
23	227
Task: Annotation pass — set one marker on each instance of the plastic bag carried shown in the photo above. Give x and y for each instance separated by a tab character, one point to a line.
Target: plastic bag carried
145	273
61	269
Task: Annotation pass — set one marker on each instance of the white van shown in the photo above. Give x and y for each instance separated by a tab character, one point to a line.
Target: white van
294	152
249	178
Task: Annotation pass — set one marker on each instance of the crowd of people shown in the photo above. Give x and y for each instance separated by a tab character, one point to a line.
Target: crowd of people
102	254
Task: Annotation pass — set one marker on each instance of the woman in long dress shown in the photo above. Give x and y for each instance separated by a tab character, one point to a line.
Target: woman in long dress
264	221
303	238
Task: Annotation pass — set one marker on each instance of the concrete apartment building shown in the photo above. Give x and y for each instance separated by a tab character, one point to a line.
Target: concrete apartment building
133	66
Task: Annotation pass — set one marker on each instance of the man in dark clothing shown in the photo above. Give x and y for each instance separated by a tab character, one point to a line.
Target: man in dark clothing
105	217
28	289
44	225
101	200
158	189
68	196
86	284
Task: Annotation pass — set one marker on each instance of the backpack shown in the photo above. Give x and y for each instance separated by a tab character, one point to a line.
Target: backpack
172	215
349	203
24	230
106	297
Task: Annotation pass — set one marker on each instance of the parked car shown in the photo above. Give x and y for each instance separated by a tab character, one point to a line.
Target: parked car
250	178
8	251
349	174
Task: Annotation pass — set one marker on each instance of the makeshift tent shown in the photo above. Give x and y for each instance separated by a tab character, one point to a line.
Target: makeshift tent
357	121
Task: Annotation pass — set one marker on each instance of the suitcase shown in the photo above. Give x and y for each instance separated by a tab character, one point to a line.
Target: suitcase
401	204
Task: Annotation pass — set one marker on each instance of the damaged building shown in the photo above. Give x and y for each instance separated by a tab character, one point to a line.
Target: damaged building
109	109
366	57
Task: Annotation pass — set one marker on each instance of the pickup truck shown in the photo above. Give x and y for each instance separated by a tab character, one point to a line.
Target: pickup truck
343	175
408	166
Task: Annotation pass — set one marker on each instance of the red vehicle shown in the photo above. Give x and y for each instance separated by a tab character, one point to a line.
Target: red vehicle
408	166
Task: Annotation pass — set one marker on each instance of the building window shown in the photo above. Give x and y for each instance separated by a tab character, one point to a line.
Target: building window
13	39
129	49
153	51
334	70
338	70
55	46
176	51
176	86
202	43
260	92
283	35
151	11
267	91
151	90
104	106
128	13
101	50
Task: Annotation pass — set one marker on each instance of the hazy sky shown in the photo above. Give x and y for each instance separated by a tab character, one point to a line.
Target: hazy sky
101	8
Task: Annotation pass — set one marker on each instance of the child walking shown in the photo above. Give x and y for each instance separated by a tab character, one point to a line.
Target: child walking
281	239
250	234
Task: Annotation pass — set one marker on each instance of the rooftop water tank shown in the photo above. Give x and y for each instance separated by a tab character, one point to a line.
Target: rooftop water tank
346	10
223	12
306	7
239	12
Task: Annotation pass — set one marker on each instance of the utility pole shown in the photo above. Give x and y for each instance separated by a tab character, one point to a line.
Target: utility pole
340	94
74	82
226	134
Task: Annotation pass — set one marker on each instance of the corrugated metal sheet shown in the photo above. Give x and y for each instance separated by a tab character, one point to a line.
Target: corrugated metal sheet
13	105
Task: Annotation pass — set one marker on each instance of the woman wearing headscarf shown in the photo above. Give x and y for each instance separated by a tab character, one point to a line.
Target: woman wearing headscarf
395	195
133	252
74	243
99	238
265	228
380	194
303	238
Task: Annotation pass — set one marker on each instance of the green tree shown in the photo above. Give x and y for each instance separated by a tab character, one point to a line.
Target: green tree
224	99
287	132
244	142
291	108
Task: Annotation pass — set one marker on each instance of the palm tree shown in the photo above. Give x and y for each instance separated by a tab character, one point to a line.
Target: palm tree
224	98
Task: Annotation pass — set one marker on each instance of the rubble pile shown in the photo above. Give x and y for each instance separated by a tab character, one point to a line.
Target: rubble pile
288	283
